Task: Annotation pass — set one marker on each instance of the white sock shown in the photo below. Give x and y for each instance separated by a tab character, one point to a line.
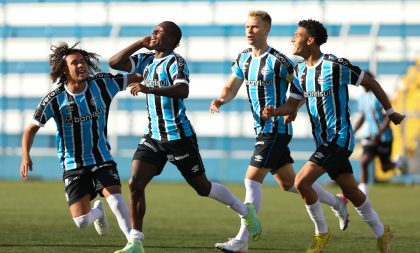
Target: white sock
370	216
325	196
364	188
317	216
87	219
253	195
119	208
222	194
136	235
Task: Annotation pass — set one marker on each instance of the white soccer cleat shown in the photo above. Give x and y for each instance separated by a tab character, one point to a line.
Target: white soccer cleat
341	212
232	246
101	224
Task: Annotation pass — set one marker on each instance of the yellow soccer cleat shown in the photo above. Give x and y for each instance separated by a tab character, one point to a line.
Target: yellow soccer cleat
319	242
384	242
132	247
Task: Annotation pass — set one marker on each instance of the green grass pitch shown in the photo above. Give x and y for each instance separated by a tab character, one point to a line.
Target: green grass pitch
34	218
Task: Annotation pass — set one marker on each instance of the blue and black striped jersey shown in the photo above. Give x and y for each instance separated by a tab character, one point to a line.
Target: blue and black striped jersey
267	79
374	116
81	119
324	87
167	116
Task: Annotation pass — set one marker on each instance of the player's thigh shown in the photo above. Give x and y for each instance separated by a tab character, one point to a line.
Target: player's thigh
285	176
149	159
80	207
308	174
256	174
78	185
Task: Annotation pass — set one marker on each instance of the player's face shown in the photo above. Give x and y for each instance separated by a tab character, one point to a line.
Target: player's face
256	31
160	40
300	42
77	67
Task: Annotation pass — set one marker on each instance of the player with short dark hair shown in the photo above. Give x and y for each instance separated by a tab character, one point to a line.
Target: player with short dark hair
169	133
321	81
80	106
267	73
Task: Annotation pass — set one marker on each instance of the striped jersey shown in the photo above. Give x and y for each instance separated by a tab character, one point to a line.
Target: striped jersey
167	116
374	116
324	87
81	119
267	79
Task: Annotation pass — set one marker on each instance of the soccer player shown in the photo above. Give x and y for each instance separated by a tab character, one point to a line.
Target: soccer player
377	139
321	80
169	133
266	73
80	106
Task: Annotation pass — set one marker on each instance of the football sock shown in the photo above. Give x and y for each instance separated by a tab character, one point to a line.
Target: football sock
364	188
253	195
370	216
87	219
317	216
325	196
119	208
222	194
136	235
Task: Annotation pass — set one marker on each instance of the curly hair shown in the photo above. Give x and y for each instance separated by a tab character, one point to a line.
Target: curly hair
315	29
57	61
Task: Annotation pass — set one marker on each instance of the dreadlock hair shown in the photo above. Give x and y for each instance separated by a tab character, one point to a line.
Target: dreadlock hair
58	64
315	29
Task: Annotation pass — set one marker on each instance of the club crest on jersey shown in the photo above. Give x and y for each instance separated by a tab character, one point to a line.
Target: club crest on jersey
321	79
93	101
70	106
159	70
265	71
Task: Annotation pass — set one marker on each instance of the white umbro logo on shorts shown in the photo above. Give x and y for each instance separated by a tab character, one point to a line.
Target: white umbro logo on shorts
258	158
319	155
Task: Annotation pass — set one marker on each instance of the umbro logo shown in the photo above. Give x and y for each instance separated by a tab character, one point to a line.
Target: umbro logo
258	158
319	155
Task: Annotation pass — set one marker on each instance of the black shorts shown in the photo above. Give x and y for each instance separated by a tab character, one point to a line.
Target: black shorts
383	150
271	151
184	154
89	180
333	158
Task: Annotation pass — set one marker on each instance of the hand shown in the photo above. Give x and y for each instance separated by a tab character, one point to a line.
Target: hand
146	42
267	112
25	166
289	118
215	105
396	118
135	88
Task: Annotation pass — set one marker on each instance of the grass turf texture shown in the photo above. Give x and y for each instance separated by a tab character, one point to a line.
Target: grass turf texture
34	218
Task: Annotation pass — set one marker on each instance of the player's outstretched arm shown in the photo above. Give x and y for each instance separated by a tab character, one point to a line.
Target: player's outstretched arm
229	92
121	60
374	86
27	140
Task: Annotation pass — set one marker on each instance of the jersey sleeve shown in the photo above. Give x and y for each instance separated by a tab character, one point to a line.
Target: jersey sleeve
349	74
45	110
236	69
179	71
114	83
296	90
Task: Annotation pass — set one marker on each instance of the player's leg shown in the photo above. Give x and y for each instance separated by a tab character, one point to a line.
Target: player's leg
384	153
79	191
108	182
148	161
365	210
365	160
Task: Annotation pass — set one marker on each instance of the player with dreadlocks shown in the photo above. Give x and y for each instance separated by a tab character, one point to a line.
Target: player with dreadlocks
80	106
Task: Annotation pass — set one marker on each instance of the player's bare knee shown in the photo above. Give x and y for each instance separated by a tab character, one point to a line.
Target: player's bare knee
286	185
135	185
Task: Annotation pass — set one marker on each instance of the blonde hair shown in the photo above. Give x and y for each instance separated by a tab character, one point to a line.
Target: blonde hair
261	14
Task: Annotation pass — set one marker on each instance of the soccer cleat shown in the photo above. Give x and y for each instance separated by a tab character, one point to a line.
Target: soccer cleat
319	242
232	246
101	224
132	247
384	242
341	211
252	222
